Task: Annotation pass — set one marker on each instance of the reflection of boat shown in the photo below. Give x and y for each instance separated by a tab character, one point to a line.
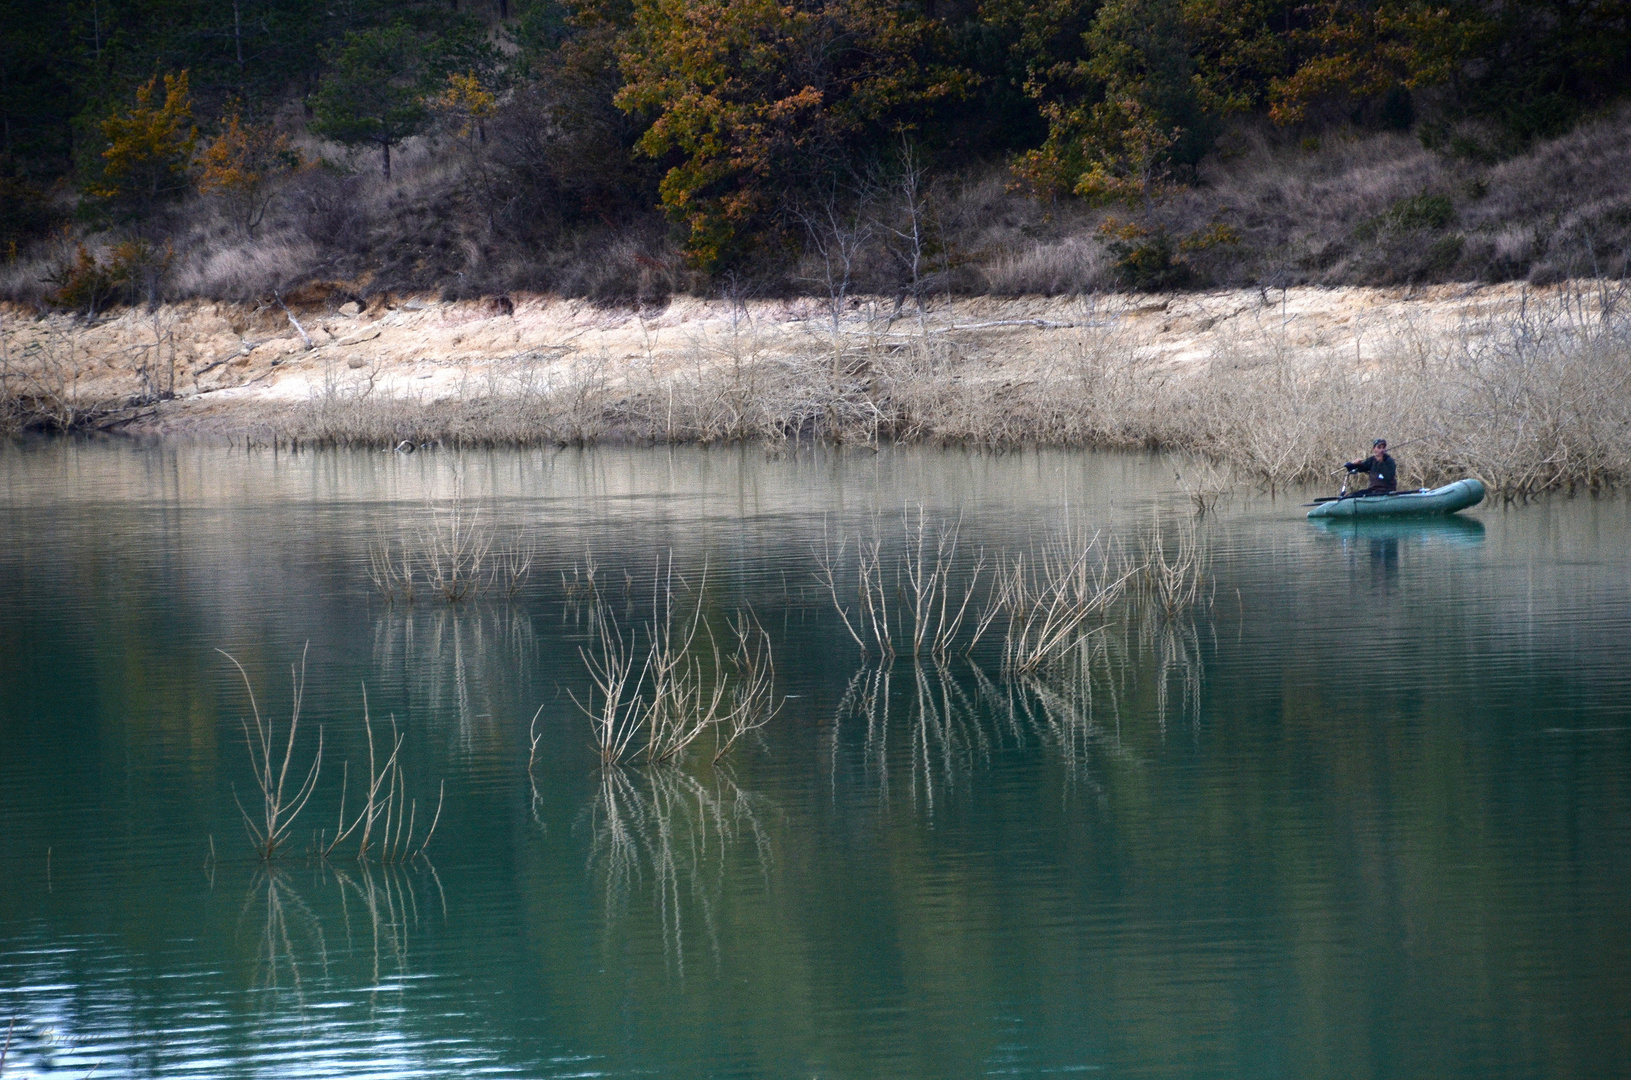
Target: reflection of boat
1457	530
1444	500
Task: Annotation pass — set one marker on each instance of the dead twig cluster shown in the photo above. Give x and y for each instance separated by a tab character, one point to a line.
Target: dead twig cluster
385	804
279	805
388	819
1055	592
652	702
456	553
920	609
1175	565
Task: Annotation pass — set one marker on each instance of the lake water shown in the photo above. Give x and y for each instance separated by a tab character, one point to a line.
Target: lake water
1367	812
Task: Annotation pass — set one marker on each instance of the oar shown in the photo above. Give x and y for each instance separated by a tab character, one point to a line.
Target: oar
1332	498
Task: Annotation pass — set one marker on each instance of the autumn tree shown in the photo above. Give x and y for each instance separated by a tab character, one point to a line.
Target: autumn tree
465	105
752	98
1113	138
240	166
1133	91
1531	65
1358	49
150	147
373	93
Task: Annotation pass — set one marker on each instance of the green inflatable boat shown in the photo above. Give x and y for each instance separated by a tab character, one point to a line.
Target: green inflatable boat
1444	500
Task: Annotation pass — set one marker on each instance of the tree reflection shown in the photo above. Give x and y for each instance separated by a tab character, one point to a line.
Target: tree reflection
467	661
940	722
380	907
669	835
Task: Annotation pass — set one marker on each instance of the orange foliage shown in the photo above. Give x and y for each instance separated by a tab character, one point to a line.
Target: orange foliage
1363	48
464	103
150	146
239	164
752	92
89	285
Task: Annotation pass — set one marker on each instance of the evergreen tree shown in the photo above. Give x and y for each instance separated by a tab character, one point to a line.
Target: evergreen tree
373	93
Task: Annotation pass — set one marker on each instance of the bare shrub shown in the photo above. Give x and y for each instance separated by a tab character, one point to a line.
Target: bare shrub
385	804
1175	565
753	701
40	377
657	700
453	547
391	568
280	804
457	552
1055	592
932	592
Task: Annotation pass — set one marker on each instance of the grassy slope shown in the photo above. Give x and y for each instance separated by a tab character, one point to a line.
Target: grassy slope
1347	209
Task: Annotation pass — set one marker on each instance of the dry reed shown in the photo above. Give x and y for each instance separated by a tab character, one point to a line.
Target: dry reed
279	805
1530	400
386	804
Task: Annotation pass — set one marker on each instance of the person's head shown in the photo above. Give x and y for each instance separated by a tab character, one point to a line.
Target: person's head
1379	449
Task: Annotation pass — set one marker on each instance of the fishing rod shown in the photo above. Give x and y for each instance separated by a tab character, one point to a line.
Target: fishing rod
1413	442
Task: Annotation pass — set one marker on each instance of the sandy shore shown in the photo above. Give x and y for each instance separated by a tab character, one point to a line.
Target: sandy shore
223	369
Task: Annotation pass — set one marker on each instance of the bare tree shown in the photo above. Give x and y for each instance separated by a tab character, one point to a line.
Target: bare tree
909	224
839	229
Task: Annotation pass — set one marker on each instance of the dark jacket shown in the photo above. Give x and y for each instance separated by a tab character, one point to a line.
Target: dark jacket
1384	474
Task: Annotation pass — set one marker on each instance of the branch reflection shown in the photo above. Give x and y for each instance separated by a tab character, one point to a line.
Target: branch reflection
669	836
379	909
941	722
470	661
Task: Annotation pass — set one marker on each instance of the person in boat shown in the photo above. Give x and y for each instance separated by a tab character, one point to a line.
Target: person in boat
1380	466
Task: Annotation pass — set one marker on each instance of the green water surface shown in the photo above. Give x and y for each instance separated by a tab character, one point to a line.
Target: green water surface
1363	814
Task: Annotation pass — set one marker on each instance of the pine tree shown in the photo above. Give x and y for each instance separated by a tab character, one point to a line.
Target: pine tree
374	91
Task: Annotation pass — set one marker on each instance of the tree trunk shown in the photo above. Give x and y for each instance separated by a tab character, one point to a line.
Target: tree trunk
385	146
238	44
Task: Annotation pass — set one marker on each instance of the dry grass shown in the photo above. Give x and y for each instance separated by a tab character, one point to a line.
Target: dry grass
1073	265
465	222
1528	400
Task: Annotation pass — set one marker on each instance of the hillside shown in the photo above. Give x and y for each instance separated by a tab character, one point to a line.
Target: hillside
627	153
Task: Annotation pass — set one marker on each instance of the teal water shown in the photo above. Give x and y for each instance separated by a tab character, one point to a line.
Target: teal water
1364	815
